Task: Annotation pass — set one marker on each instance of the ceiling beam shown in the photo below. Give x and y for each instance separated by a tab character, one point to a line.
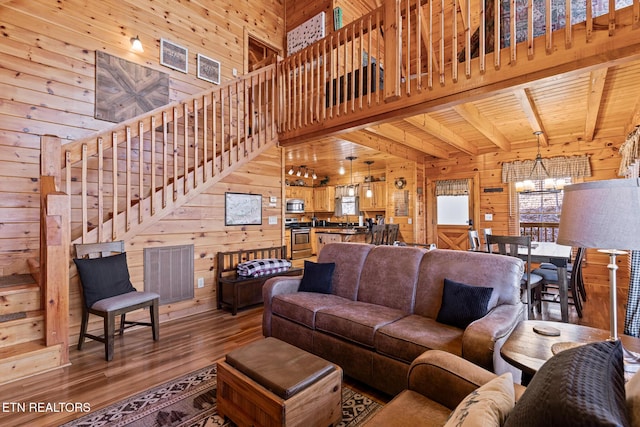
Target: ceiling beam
597	79
435	128
405	138
384	145
471	114
530	110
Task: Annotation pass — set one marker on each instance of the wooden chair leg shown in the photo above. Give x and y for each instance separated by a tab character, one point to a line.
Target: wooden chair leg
122	323
109	332
155	320
83	328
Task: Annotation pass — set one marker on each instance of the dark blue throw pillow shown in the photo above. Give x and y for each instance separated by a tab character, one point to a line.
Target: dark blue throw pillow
103	277
463	304
582	386
317	277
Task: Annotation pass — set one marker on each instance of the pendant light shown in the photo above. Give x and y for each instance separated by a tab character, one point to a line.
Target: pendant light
351	189
369	193
538	160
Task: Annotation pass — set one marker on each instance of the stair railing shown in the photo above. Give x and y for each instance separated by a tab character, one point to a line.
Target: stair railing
123	176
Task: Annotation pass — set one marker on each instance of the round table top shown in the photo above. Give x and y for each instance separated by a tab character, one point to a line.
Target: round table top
528	350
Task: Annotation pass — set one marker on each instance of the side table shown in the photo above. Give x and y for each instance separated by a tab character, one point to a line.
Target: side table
528	350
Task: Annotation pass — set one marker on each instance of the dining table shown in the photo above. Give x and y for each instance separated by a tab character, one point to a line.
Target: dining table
550	252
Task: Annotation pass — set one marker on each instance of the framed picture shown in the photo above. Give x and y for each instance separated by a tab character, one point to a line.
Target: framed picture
174	56
242	209
208	69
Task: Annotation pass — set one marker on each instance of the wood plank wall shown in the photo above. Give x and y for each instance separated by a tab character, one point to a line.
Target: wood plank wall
47	79
604	159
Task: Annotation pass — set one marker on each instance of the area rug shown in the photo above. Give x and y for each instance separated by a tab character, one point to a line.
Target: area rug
191	401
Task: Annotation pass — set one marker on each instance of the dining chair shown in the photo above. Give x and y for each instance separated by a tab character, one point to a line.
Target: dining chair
107	292
508	245
580	253
474	240
486	232
550	291
378	234
392	233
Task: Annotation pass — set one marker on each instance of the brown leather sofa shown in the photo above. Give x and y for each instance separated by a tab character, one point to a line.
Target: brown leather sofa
381	313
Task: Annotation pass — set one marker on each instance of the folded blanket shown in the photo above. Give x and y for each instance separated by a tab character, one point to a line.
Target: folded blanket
263	267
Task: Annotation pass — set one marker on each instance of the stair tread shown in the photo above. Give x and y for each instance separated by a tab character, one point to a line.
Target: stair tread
16	279
15	289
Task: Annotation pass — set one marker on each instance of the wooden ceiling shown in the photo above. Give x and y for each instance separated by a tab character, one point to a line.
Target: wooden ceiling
598	104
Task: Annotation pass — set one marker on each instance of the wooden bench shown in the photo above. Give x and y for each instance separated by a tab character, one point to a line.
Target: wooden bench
235	291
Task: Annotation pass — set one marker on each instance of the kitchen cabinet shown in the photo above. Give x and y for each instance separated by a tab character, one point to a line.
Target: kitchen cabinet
379	200
324	199
302	193
314	242
324	238
287	242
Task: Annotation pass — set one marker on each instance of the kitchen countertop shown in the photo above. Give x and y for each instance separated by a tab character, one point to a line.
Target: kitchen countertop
341	230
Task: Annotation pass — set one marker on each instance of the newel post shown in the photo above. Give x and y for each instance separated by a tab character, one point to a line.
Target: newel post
55	242
392	49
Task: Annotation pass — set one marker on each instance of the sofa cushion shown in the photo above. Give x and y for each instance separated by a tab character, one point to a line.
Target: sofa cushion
486	406
389	277
500	272
302	307
407	338
317	277
463	304
349	259
356	321
579	386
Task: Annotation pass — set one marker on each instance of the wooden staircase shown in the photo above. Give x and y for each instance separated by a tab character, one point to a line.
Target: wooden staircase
116	184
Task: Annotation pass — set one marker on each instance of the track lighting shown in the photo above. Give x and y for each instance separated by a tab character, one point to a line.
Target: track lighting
290	171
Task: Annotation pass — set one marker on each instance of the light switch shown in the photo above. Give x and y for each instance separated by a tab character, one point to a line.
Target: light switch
488	217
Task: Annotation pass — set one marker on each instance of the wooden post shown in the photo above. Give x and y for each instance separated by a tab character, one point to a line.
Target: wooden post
392	49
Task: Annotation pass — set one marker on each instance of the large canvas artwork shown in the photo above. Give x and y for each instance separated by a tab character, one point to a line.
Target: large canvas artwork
305	34
125	89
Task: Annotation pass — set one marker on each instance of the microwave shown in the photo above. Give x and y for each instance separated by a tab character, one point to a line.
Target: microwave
294	206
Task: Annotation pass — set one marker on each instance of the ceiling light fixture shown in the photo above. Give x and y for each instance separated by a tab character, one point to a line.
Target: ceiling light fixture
540	173
341	170
136	44
369	193
299	172
290	171
313	174
351	190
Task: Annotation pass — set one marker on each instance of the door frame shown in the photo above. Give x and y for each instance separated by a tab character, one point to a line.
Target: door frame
432	210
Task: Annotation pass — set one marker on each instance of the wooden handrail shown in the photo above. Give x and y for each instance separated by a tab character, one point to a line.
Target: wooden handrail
123	176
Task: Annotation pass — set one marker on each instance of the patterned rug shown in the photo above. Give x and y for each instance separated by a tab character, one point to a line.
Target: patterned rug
191	401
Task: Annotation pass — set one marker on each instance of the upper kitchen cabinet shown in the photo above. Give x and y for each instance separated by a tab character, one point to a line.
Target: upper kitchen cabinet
323	199
302	193
378	201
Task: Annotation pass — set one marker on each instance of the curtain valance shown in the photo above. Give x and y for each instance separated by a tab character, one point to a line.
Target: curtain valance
452	187
558	167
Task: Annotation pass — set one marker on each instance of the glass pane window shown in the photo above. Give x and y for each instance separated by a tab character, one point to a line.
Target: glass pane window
453	210
539	210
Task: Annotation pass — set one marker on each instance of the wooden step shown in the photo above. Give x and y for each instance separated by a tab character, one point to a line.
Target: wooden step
29	327
19	298
27	359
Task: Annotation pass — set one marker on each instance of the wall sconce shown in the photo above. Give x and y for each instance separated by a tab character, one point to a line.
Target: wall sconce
136	44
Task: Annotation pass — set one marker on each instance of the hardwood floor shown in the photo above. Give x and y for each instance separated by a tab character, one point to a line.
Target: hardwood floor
185	345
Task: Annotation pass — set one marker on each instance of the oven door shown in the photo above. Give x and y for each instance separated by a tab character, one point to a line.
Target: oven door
300	243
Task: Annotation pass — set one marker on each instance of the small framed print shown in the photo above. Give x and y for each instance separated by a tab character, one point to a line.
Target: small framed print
174	56
208	69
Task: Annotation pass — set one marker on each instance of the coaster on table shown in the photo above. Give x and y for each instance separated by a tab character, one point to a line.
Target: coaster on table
546	330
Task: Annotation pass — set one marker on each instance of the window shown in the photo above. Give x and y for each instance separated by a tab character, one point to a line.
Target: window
539	211
453	210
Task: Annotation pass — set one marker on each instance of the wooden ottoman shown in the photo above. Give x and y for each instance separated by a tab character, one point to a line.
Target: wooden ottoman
272	383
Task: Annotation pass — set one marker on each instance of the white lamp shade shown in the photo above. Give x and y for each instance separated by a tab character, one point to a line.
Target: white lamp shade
601	214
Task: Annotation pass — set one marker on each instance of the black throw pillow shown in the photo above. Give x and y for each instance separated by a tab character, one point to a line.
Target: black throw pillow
103	277
317	277
582	386
463	304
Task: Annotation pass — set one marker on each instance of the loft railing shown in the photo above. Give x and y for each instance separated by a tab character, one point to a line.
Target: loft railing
402	57
125	176
540	231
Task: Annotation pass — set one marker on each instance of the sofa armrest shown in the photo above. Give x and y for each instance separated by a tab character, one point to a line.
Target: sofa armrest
272	287
483	338
445	378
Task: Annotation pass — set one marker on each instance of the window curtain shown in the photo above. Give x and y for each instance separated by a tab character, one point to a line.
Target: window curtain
558	167
452	187
345	204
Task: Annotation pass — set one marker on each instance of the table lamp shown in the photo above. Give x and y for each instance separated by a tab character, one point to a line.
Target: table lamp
603	215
